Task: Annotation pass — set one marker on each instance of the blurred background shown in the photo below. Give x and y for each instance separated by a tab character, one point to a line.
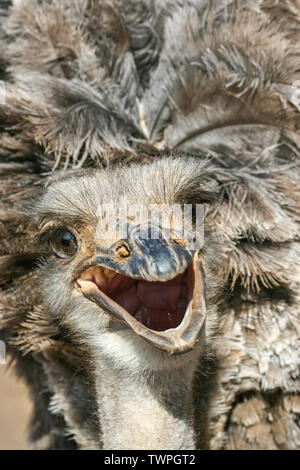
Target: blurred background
15	411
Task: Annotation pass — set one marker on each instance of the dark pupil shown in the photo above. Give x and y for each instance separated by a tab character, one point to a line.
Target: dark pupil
66	239
63	244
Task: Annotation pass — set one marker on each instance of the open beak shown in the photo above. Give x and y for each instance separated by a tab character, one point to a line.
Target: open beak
156	287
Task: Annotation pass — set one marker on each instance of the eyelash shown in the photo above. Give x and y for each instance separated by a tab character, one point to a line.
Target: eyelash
44	237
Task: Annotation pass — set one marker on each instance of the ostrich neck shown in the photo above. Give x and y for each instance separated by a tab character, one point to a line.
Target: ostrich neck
145	412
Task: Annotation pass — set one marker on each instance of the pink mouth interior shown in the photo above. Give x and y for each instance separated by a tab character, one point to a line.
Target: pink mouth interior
157	305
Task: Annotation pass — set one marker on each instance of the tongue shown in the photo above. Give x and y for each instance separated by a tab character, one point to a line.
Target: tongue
155	295
159	320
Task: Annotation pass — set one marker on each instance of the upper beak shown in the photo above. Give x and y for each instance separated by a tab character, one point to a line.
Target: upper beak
161	262
148	253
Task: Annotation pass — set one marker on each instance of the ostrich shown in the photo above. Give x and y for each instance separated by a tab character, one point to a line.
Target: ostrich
134	341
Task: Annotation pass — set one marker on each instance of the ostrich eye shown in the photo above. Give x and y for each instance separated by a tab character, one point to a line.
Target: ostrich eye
64	244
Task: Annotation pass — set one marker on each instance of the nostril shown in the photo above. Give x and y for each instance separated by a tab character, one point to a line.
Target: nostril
177	240
123	250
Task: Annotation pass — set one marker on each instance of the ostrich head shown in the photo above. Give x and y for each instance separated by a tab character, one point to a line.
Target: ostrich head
135	297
